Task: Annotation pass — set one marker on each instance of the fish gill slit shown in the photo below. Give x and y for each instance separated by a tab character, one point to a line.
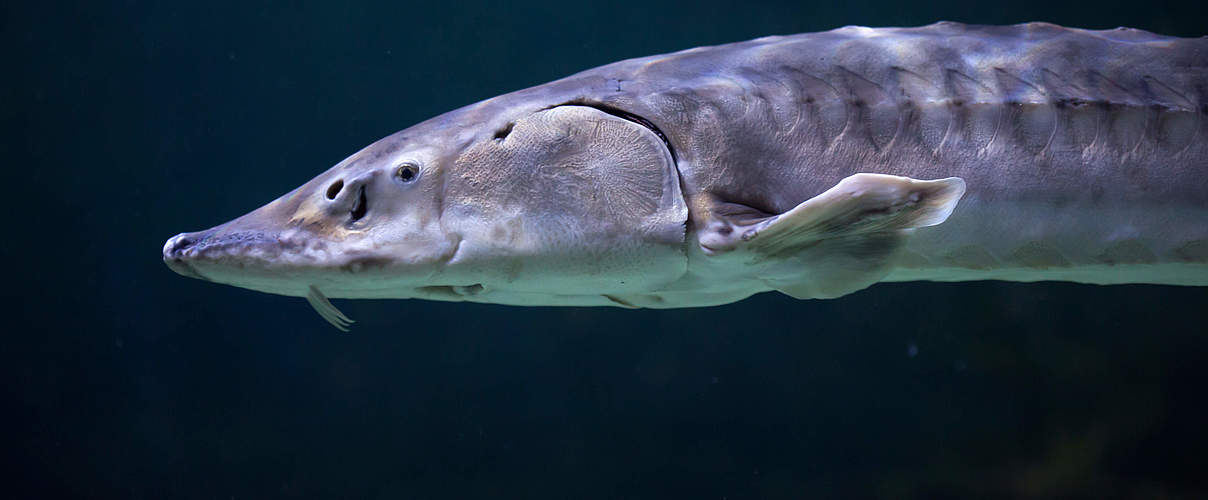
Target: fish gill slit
627	116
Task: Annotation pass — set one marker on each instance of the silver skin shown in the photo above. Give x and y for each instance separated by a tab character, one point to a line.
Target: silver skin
812	164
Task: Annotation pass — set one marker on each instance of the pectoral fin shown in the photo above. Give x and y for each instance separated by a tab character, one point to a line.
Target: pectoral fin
841	240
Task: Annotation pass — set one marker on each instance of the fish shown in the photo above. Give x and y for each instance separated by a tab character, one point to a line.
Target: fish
814	165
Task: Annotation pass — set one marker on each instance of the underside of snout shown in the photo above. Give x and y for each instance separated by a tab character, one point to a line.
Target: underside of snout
261	260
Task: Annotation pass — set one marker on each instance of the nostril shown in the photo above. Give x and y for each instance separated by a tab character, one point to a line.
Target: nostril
334	189
360	207
176	245
182	244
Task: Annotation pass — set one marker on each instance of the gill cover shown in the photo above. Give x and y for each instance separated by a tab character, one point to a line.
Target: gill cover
569	200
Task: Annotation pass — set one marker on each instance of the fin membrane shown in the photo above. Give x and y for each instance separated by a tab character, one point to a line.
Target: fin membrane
841	240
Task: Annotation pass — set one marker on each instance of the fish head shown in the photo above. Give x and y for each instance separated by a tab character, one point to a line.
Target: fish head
516	206
376	213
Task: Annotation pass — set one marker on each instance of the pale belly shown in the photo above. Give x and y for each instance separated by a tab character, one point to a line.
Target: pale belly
1152	244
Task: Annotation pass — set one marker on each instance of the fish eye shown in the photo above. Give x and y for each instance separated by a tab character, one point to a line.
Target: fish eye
407	172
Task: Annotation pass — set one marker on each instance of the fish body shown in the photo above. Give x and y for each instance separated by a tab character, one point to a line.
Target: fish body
813	164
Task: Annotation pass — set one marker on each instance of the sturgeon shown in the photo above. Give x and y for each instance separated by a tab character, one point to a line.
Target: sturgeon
813	164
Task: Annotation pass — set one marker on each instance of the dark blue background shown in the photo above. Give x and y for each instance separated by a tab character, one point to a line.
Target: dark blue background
127	122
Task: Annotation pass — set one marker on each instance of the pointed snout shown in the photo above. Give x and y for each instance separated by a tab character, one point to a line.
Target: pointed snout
287	234
229	244
181	249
